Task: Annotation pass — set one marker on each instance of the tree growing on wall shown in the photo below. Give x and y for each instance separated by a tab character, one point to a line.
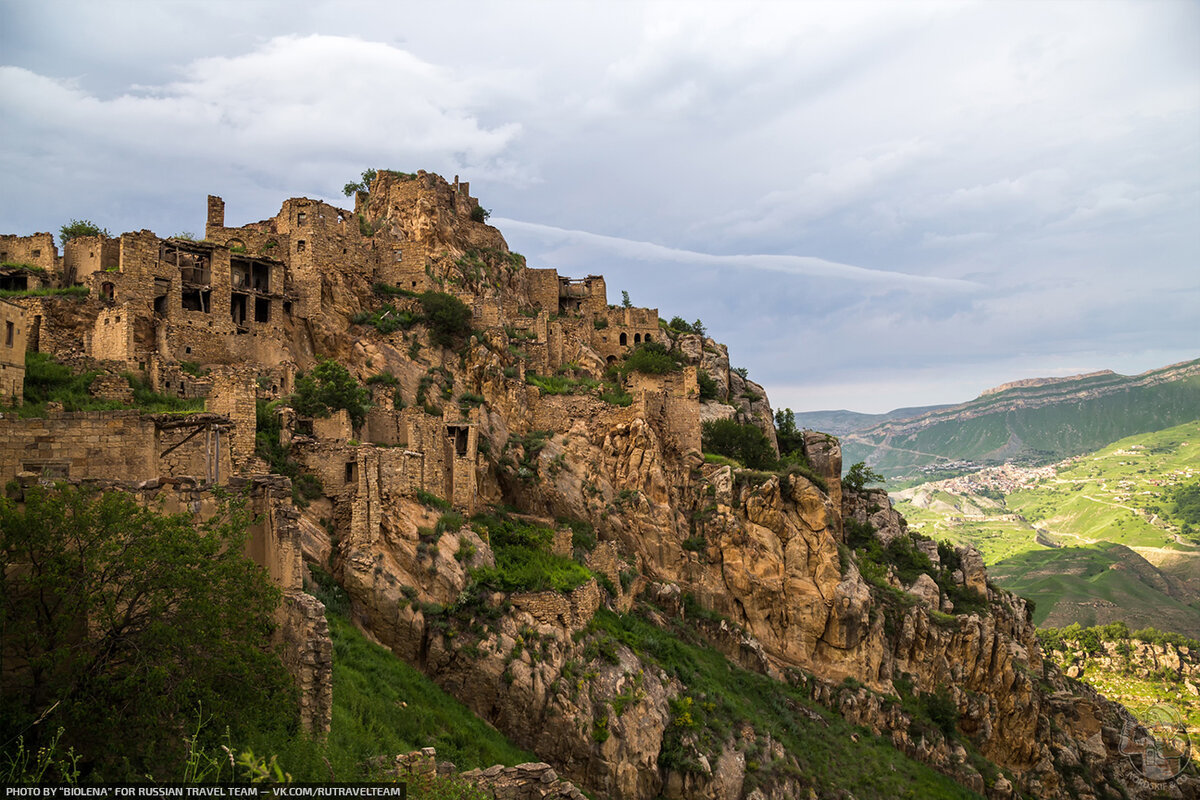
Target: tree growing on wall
119	623
364	185
80	227
328	387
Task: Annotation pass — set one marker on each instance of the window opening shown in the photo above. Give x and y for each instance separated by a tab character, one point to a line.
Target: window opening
237	308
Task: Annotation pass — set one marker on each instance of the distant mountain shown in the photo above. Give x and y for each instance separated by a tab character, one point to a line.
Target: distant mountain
1033	421
841	422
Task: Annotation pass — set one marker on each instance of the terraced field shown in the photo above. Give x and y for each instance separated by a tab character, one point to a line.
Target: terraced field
1091	539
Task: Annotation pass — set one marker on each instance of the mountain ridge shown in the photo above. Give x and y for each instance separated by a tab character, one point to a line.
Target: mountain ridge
1034	420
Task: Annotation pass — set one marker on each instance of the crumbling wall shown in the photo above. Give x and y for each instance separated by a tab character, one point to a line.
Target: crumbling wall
204	452
233	395
79	444
37	250
13	337
543	289
84	256
111	336
572	611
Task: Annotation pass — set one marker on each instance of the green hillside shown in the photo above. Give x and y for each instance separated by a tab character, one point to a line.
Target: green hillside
1035	425
1096	585
1095	539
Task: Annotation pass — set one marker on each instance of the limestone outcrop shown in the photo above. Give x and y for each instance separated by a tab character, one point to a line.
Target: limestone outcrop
525	406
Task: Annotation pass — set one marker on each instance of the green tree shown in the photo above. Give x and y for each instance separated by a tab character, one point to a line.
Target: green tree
625	301
80	227
746	443
364	185
120	623
480	214
328	387
790	438
448	318
859	476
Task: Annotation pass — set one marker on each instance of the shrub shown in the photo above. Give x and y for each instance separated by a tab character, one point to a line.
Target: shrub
448	318
480	214
941	710
709	390
746	443
387	319
680	325
652	358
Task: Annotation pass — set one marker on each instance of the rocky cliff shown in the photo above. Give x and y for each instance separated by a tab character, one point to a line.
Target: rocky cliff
523	510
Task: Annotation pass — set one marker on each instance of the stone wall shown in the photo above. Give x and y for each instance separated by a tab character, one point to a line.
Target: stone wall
572	611
233	396
78	445
206	455
107	445
13	337
37	250
84	256
543	289
111	336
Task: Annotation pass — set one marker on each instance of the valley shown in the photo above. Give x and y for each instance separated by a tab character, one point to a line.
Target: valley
1091	539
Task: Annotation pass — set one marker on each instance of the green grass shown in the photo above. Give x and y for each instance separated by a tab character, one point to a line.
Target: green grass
720	696
46	380
383	706
524	562
561	384
68	291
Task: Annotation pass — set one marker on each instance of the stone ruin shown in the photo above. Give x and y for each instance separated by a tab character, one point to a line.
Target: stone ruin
232	318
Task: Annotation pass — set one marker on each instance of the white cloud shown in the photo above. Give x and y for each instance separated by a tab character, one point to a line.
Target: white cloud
292	99
1045	151
788	264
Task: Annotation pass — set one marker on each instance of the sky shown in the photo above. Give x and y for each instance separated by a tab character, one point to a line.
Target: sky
874	205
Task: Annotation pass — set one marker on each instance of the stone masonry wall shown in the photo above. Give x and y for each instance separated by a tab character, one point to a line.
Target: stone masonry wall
233	395
13	336
81	444
38	250
111	337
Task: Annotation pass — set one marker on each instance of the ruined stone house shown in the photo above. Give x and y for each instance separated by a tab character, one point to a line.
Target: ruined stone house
231	319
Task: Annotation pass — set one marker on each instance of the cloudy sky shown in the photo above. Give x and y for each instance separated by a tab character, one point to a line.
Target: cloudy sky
874	204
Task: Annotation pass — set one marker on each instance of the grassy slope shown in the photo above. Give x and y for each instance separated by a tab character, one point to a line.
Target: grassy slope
1115	496
382	706
725	696
1095	585
1040	434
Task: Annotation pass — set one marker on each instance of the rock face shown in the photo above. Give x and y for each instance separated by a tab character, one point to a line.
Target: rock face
530	401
